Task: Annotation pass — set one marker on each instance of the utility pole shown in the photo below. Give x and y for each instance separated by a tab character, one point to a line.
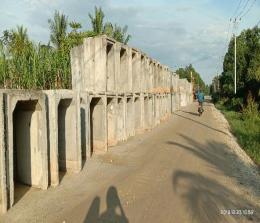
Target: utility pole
235	61
235	78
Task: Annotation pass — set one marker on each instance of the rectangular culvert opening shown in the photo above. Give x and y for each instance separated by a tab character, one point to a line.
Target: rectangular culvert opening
123	68
26	153
143	74
129	116
134	71
83	130
97	125
137	113
120	119
146	112
67	142
110	67
111	121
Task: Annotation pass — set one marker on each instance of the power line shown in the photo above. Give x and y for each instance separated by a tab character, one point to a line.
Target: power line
235	12
258	23
250	7
243	9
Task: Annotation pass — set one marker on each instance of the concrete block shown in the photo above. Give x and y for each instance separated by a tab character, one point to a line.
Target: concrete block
27	158
138	113
130	116
112	118
64	116
121	118
125	75
85	126
98	124
148	112
136	70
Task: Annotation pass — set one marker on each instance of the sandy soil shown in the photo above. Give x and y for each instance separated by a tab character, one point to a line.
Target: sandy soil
188	169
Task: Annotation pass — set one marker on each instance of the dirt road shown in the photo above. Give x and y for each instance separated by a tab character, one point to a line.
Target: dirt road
188	169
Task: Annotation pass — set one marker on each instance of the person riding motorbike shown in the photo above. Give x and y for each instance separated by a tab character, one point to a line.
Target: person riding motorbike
200	97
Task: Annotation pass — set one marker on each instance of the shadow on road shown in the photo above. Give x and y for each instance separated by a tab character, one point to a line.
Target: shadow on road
205	198
192	113
200	123
114	212
220	157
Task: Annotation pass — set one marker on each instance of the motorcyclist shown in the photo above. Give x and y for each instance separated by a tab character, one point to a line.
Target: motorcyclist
200	97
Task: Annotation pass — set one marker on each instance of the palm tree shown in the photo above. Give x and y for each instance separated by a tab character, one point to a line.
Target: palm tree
120	34
18	40
58	27
97	21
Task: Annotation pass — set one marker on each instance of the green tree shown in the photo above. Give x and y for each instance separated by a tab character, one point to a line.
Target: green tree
97	21
114	31
248	63
58	27
197	80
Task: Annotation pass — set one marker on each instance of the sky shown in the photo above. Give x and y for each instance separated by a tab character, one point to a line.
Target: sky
175	32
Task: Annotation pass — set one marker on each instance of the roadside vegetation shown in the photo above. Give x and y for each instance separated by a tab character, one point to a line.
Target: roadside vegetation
198	82
242	109
25	64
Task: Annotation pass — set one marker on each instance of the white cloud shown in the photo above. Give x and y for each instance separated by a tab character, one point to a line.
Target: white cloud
174	32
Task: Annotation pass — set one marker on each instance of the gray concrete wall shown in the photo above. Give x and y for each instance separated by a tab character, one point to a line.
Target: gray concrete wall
118	91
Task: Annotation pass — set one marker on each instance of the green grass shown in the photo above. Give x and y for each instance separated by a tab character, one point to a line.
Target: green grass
246	130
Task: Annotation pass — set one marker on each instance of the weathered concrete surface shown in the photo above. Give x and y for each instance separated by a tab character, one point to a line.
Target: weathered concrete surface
64	133
185	169
26	134
3	194
98	124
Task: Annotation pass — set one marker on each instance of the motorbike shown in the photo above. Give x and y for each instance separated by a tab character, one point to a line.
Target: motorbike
200	110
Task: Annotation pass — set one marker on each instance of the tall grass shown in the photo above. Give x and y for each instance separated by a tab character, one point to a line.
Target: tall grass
35	67
245	125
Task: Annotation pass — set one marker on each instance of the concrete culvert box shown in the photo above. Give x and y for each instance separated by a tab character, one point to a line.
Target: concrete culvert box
138	114
146	112
129	117
110	67
26	140
97	126
120	120
84	127
123	79
66	136
136	69
27	162
111	121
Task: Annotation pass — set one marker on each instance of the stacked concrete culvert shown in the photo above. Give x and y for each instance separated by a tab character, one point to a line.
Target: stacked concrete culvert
118	91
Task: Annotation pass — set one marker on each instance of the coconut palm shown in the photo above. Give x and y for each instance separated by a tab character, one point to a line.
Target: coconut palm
97	21
58	28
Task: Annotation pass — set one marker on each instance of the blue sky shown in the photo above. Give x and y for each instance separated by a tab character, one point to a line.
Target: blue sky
174	32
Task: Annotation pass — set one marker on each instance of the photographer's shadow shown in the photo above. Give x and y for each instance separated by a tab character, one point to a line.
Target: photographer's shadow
114	212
